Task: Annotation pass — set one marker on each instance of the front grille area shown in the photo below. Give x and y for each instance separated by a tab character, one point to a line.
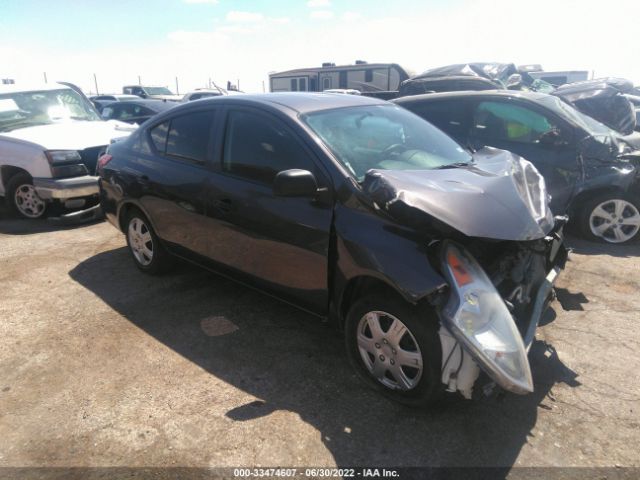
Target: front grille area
90	157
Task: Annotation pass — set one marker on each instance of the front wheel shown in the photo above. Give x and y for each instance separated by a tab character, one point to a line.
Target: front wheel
23	199
148	253
395	347
613	218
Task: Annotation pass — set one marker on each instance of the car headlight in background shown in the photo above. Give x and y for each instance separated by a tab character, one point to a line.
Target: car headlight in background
479	319
62	156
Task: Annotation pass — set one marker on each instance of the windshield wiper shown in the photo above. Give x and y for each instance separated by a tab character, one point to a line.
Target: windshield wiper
453	165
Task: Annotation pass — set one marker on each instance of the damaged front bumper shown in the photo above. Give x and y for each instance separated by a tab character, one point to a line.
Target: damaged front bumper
463	355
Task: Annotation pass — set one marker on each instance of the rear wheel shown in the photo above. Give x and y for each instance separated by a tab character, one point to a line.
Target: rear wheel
23	199
146	249
396	349
612	218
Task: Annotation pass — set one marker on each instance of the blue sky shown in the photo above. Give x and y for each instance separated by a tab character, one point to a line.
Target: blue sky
228	40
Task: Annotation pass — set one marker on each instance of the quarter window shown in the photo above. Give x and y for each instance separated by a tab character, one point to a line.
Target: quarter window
257	147
159	136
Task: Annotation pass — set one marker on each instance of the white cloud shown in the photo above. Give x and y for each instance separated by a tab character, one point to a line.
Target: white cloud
244	17
350	16
321	14
568	46
210	2
318	3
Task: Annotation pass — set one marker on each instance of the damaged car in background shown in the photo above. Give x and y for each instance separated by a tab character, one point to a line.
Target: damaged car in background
592	172
436	263
50	139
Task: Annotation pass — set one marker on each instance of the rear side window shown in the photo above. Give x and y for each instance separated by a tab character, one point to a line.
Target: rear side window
512	123
189	135
257	147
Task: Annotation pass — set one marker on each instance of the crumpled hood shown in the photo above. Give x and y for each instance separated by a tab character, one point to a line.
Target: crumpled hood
501	196
72	135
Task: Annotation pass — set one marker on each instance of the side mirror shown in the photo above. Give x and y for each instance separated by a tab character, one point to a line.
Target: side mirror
295	183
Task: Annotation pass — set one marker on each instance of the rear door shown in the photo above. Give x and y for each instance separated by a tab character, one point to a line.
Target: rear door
525	129
279	243
171	178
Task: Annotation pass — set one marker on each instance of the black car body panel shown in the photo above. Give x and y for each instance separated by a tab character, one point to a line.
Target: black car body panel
134	111
316	251
604	100
574	163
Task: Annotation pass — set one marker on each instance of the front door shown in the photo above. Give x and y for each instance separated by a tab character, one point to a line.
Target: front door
527	131
282	243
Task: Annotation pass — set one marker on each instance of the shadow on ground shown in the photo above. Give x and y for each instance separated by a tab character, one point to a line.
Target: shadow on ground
586	247
290	361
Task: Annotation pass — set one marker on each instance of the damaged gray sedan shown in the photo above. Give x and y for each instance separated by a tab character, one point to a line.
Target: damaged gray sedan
435	263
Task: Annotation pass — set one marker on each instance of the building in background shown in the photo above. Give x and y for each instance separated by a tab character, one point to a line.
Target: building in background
363	76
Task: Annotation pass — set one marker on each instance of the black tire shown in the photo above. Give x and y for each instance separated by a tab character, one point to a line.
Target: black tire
423	326
609	236
160	261
38	207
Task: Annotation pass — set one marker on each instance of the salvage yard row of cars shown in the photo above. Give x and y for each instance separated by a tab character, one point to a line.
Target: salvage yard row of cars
428	229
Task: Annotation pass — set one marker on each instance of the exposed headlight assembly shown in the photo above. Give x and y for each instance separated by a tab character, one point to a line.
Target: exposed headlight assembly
477	317
532	188
62	156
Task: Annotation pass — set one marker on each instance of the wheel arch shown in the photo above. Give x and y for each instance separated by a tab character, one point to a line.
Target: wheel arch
360	285
125	208
7	172
578	202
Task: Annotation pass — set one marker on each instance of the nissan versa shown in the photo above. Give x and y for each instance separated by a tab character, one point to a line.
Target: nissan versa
436	263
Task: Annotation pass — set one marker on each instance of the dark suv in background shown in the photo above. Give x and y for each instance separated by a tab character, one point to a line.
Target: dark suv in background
590	170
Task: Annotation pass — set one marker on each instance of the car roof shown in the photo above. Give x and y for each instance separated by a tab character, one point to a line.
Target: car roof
300	102
532	96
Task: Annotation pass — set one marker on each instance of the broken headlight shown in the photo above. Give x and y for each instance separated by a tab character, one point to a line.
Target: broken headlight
479	319
532	188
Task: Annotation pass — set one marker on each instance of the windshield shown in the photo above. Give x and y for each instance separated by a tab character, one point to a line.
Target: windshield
158	91
384	137
28	109
587	123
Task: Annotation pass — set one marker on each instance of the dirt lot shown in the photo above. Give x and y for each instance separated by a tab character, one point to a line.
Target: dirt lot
101	365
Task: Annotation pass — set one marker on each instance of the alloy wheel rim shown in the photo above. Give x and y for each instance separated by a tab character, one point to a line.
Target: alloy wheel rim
389	351
140	241
615	220
28	202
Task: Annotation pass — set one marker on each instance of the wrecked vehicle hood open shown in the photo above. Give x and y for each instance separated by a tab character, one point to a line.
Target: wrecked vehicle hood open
500	196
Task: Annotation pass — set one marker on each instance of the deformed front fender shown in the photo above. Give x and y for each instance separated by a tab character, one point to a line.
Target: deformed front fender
367	245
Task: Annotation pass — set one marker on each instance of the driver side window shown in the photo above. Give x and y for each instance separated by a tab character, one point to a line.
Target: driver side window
510	123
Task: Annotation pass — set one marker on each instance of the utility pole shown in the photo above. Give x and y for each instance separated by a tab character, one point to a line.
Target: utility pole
95	80
262	86
139	81
177	89
45	77
209	82
238	85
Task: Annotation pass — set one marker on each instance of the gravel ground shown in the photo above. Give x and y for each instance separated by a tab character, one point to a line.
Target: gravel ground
101	365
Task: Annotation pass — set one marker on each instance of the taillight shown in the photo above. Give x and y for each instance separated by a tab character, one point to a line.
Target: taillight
103	160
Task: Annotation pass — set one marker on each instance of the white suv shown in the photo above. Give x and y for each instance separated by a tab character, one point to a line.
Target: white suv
50	140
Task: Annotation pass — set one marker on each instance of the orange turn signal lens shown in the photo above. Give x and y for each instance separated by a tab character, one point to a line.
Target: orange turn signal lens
460	273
